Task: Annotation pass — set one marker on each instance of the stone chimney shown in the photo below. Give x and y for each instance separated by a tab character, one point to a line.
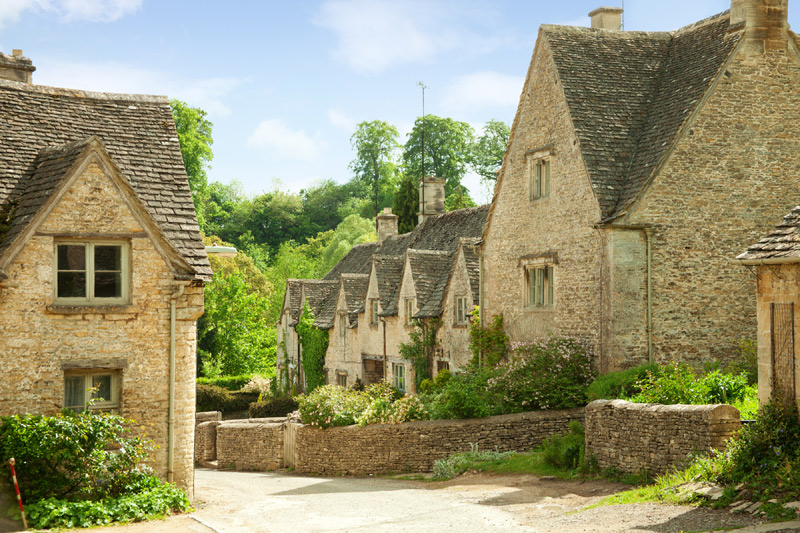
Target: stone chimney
765	23
431	197
16	67
607	18
387	224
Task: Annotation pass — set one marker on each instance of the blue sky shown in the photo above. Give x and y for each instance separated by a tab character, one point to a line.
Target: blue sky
285	82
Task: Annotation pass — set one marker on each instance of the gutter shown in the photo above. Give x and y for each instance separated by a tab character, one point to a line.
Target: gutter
766	261
179	288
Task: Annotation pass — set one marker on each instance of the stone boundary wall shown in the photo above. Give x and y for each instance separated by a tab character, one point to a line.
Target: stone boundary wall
642	436
414	446
250	445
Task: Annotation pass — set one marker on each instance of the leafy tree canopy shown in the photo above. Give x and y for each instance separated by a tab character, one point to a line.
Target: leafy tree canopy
487	152
194	136
376	144
447	150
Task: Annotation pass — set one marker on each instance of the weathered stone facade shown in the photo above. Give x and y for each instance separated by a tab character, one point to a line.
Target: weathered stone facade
636	437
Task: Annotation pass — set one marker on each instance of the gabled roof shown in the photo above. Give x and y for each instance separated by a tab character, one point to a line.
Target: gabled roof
293	300
388	274
321	298
429	269
781	245
138	132
356	261
355	293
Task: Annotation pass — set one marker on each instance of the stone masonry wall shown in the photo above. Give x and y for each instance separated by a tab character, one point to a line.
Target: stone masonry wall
41	341
250	446
414	446
634	437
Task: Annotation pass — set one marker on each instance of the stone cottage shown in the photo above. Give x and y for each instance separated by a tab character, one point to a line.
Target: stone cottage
373	298
639	163
101	262
775	259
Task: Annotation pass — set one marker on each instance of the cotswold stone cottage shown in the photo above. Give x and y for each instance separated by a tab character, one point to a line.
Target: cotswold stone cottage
639	163
371	299
101	262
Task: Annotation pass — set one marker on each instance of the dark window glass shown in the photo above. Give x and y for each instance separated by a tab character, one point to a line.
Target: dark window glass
72	285
71	257
108	258
74	393
101	388
107	285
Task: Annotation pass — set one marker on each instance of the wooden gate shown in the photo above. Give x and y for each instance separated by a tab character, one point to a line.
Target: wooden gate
289	440
782	333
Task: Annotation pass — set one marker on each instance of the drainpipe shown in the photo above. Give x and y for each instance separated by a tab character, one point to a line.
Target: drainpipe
179	288
648	234
385	359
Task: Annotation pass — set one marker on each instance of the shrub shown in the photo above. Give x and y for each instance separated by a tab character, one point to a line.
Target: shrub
258	384
677	383
458	463
549	374
463	396
212	398
619	385
565	451
383	389
231	383
407	409
488	344
331	405
280	406
376	412
746	360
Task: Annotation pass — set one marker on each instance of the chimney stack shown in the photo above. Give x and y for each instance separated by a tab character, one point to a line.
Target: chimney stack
765	22
16	67
607	18
431	197
387	224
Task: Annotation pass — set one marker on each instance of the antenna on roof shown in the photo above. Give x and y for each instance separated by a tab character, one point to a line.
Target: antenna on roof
422	178
622	20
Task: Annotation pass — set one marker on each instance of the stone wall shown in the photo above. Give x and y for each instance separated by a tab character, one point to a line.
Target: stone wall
635	436
205	442
414	446
250	445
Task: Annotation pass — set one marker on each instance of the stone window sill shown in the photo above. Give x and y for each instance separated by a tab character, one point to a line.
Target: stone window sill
60	309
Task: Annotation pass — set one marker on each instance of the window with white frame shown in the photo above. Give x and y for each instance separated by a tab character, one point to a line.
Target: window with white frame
399	376
373	312
461	310
409	311
92	273
539	173
96	390
539	285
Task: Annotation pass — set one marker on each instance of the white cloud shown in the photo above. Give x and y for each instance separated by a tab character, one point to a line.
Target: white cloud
69	10
276	137
481	90
209	94
338	118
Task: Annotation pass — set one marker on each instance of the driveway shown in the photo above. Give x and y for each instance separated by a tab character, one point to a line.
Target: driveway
233	502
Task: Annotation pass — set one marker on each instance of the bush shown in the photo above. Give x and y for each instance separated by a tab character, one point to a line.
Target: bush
677	383
488	344
458	463
212	398
565	451
258	384
619	385
746	361
331	405
280	406
549	374
463	396
231	383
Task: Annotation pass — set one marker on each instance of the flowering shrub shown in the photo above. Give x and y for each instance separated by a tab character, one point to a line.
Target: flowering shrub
383	411
259	384
548	374
331	405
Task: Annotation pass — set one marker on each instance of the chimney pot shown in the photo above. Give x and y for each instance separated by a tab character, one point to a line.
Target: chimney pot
387	224
431	197
607	18
16	52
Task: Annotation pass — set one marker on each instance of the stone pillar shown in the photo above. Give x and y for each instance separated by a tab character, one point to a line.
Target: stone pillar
766	24
387	224
607	18
16	67
431	197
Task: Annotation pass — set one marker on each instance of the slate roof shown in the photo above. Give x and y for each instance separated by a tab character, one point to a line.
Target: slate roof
138	133
321	298
430	270
356	261
389	275
293	299
355	292
783	242
630	93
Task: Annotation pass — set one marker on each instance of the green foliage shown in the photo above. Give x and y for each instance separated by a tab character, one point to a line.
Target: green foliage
153	502
331	405
487	152
622	384
548	374
383	411
212	398
419	349
677	384
458	463
87	455
462	396
566	451
231	383
351	231
489	344
406	203
459	200
280	406
315	343
746	360
376	145
194	136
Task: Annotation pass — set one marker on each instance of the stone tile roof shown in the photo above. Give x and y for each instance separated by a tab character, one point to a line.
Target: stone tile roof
355	293
137	131
293	300
630	93
356	261
782	243
321	298
430	270
471	260
389	275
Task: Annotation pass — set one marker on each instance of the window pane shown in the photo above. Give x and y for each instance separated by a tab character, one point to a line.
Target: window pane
74	392
547	178
108	258
549	285
72	285
101	388
108	285
531	287
71	257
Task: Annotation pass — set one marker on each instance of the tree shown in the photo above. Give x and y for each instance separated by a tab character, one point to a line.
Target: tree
406	204
447	149
194	136
376	144
352	230
487	152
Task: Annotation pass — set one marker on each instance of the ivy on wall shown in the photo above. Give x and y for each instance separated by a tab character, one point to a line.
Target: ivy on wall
314	342
419	349
488	344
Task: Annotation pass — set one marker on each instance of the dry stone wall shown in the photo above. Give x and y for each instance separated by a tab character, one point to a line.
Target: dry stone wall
641	436
248	445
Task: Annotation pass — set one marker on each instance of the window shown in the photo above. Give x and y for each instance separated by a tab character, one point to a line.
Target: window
409	311
539	285
343	325
399	376
539	172
95	390
341	379
442	365
373	312
91	273
461	310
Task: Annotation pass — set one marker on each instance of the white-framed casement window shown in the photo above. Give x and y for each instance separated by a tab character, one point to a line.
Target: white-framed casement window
92	273
399	376
96	390
539	285
409	311
373	312
539	173
461	310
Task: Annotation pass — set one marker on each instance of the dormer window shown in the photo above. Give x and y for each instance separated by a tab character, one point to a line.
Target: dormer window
539	172
409	311
92	273
373	312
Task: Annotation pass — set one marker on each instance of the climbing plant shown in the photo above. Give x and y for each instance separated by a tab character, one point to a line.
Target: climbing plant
488	344
419	349
314	342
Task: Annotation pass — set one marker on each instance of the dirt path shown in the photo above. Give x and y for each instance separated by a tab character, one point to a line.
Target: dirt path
233	502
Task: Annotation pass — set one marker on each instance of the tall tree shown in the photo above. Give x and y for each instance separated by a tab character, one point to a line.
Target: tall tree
487	152
194	136
406	203
376	145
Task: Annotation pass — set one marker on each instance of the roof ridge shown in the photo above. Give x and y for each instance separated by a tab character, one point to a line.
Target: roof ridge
701	22
79	93
606	33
